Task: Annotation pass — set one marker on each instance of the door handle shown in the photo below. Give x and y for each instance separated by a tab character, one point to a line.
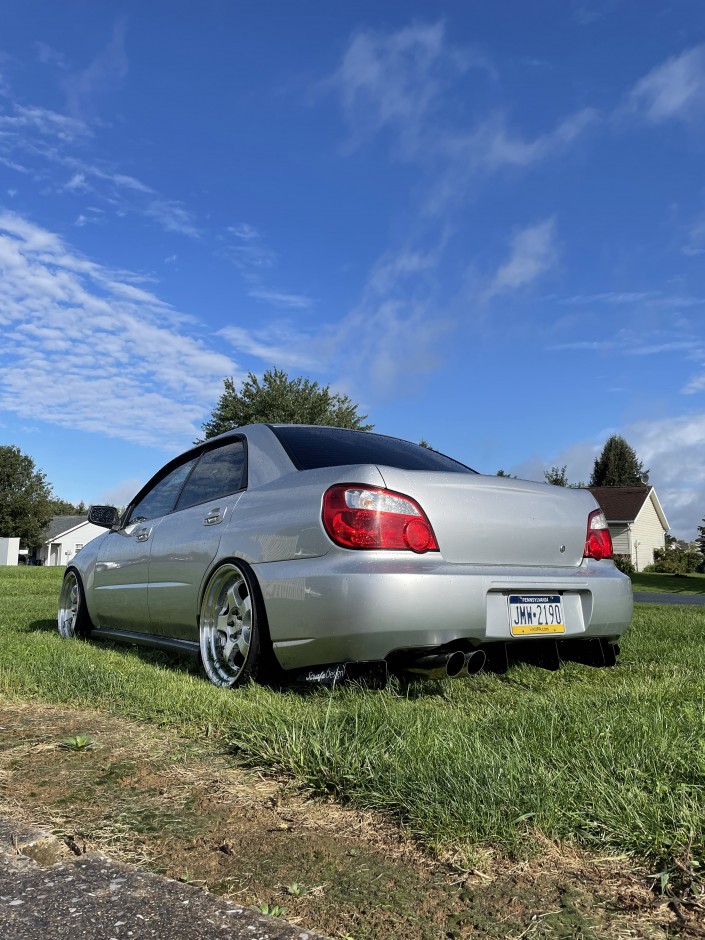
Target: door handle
214	516
141	535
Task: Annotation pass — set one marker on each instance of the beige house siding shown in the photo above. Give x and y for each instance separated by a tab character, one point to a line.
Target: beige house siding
620	538
647	534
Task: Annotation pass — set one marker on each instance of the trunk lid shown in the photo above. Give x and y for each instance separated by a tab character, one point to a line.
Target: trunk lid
496	520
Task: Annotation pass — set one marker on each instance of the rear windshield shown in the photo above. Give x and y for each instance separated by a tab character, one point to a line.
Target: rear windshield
312	447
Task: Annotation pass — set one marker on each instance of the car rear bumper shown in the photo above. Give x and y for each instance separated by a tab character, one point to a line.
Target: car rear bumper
360	606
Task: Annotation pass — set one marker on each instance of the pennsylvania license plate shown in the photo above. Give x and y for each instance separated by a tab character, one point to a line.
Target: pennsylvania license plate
535	614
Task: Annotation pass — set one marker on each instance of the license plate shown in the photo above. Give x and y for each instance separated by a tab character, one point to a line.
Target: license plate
535	614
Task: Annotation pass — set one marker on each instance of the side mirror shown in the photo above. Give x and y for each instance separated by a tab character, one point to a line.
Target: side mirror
105	516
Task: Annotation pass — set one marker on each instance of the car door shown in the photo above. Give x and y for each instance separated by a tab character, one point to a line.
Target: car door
122	565
186	541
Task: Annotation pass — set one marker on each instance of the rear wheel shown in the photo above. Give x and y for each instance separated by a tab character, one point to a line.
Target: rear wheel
73	619
231	626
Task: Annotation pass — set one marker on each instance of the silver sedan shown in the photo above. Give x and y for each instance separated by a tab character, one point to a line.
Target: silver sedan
322	553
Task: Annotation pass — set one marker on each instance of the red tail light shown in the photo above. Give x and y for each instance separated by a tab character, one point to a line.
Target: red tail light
598	541
357	516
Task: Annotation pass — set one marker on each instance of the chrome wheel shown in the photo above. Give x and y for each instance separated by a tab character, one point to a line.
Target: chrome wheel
72	616
228	634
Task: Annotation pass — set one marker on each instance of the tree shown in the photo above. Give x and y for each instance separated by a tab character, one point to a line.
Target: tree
25	498
62	507
618	465
509	476
282	400
701	544
557	475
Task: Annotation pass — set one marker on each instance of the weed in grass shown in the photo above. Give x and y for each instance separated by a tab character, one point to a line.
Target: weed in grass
79	742
271	910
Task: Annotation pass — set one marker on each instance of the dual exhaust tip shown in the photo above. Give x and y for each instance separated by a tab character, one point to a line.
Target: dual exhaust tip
442	665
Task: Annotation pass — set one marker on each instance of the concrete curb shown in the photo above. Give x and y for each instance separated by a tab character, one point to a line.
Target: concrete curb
91	897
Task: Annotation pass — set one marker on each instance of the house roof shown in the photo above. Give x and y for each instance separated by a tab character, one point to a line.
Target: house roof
624	503
60	525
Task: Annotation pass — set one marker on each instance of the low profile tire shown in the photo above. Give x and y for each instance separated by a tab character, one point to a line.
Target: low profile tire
73	619
231	626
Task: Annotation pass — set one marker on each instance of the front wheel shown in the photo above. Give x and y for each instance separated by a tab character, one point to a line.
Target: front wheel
73	619
230	629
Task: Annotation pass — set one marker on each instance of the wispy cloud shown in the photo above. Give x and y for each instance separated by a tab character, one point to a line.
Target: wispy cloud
44	122
533	252
49	144
670	447
393	80
397	321
172	216
111	356
279	299
397	86
280	344
104	74
673	90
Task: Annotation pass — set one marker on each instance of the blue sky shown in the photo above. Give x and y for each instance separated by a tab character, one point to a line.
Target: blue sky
484	222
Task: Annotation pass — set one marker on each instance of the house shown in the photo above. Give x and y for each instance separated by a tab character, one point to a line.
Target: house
63	537
636	521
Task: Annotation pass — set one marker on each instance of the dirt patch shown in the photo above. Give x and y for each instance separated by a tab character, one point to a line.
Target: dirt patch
182	808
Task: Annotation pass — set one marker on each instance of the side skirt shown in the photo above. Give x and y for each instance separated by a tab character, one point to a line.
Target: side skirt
170	644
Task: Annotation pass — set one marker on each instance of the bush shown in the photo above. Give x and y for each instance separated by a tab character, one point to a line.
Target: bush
625	564
676	560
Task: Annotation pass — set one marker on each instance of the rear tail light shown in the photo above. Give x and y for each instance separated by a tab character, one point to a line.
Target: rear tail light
598	541
367	517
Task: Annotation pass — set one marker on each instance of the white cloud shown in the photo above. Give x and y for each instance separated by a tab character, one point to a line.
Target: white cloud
399	83
671	449
173	217
105	73
533	252
49	143
85	348
244	232
395	326
280	299
44	122
673	90
121	493
391	80
279	345
50	56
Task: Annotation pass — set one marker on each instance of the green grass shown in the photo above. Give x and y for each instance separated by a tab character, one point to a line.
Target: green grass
613	759
669	583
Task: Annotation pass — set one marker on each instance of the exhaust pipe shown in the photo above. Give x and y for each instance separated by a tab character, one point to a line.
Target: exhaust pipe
474	661
432	665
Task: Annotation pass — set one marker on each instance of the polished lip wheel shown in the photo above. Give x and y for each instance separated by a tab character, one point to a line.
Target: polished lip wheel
226	625
69	603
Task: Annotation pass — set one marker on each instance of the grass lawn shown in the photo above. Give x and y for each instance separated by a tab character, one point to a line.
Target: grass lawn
612	759
669	583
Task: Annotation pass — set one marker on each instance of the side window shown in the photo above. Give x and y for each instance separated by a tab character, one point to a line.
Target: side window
219	473
161	498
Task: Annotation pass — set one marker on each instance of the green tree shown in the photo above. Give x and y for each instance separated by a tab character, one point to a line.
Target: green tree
25	498
501	473
617	465
62	507
557	476
281	400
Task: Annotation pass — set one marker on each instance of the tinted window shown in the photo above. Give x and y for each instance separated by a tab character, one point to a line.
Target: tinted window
162	496
311	447
218	473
